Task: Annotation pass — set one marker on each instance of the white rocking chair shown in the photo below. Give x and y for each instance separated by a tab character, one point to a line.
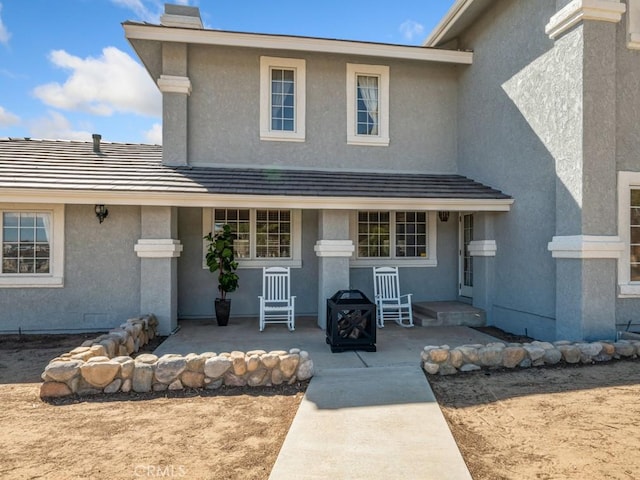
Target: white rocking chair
390	305
276	303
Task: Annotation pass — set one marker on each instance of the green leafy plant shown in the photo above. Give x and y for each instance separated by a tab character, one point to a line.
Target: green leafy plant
220	258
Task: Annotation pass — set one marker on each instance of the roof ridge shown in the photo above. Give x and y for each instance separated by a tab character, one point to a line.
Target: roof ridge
72	141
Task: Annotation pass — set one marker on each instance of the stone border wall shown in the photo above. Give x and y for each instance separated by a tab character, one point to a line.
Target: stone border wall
444	360
103	365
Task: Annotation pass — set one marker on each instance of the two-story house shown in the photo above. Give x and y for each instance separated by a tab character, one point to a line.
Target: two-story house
494	165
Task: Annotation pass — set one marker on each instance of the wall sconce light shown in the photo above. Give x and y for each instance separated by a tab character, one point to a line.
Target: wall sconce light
443	216
101	212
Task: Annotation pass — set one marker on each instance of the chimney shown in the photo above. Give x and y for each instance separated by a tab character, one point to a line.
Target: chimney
96	142
181	16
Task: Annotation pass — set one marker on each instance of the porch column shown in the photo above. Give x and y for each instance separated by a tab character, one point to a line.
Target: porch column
483	253
158	250
334	248
586	286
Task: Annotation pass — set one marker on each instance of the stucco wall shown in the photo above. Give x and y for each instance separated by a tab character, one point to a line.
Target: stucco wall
101	278
627	103
226	97
507	126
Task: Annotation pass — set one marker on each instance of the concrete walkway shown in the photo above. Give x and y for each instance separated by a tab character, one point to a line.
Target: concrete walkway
375	423
365	415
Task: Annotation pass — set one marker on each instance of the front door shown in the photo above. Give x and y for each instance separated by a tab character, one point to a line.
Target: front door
465	275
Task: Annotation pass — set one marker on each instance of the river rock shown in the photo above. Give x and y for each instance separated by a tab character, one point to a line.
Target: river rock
99	374
169	368
149	358
54	389
192	379
269	360
439	355
114	386
305	369
431	368
288	364
142	377
624	349
490	356
456	359
552	356
63	371
570	353
216	367
512	356
239	363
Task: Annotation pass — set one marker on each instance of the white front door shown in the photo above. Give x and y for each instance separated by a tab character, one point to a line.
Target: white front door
465	262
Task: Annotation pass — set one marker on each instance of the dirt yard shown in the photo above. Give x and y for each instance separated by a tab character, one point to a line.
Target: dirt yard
233	433
552	423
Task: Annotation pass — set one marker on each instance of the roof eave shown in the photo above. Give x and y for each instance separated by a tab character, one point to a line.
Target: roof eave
461	14
177	199
134	31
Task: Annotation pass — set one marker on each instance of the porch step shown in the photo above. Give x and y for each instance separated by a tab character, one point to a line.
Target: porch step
437	314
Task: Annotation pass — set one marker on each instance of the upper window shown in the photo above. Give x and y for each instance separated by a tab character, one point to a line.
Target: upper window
406	237
32	247
282	99
367	104
263	236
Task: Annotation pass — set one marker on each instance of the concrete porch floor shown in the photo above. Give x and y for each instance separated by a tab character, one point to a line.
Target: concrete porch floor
396	346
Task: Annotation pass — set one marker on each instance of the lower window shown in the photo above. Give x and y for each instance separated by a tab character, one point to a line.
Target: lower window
263	236
26	247
386	237
32	247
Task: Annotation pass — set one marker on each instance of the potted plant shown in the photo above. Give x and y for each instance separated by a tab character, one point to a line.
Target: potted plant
220	258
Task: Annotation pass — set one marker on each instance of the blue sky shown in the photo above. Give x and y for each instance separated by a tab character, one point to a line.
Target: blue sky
66	70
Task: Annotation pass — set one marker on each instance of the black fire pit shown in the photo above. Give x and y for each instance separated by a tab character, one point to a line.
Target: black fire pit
351	322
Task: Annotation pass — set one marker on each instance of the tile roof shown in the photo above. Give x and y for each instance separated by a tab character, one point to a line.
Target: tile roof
71	165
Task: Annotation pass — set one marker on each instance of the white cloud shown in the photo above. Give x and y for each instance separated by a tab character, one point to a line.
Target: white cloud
411	29
112	83
5	35
140	9
7	118
56	126
154	135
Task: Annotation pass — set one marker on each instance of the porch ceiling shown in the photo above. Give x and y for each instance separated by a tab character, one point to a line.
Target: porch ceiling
71	172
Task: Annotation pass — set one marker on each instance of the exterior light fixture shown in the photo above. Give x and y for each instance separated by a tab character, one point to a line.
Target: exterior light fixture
443	216
101	212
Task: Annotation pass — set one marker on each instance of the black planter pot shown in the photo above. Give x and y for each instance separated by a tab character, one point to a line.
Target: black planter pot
223	309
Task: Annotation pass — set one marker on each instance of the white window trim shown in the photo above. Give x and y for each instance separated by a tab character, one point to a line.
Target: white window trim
430	261
296	241
382	72
626	180
55	278
299	66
